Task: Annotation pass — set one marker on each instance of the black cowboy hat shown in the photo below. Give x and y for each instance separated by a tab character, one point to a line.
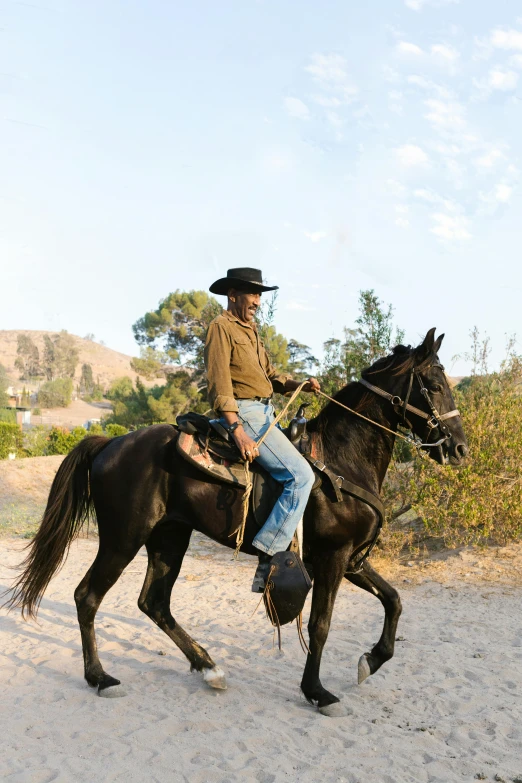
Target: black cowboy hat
243	277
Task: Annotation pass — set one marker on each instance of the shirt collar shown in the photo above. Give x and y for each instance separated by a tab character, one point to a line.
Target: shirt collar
232	317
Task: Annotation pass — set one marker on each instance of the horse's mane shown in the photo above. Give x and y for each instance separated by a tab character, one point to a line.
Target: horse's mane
400	362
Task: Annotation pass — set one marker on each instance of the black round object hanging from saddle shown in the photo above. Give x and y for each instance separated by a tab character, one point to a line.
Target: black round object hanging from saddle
287	586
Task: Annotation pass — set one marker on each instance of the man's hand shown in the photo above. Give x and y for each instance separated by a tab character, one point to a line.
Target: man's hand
313	385
247	446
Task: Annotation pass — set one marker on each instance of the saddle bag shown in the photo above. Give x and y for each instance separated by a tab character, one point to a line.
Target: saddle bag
287	587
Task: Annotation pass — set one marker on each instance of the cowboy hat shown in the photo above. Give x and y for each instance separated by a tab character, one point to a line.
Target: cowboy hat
242	277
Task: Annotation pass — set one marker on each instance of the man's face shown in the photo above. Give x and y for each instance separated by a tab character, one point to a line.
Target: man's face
243	305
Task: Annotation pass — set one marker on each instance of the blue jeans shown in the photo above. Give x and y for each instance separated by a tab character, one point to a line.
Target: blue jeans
282	460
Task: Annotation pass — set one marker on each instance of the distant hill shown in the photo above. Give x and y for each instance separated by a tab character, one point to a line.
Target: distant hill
106	363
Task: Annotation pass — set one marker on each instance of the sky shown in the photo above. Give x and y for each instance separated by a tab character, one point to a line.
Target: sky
147	146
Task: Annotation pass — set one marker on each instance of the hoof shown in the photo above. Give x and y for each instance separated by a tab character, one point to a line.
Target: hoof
215	678
363	670
335	710
112	692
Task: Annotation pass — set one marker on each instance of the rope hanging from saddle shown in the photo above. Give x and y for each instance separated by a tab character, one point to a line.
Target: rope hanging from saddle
248	478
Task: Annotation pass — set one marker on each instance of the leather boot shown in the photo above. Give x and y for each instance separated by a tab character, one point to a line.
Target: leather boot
261	574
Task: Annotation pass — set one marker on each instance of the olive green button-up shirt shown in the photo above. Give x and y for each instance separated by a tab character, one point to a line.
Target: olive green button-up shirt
237	364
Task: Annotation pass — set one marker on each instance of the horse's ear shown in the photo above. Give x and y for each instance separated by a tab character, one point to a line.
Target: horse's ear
438	343
426	348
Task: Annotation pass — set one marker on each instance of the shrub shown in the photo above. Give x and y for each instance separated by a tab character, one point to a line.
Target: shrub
8	415
62	441
56	394
10	439
115	430
479	502
37	412
36	441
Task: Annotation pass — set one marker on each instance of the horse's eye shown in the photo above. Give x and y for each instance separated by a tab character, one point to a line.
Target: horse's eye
436	387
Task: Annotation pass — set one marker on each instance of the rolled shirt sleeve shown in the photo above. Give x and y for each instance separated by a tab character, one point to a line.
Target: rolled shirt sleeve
217	362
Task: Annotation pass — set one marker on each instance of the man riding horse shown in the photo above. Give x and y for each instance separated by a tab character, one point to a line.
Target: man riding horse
241	382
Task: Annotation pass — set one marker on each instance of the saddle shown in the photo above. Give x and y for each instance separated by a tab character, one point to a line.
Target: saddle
206	444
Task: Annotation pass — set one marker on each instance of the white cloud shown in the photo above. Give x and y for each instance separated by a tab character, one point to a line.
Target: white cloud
445	53
503	193
488	161
276	162
418	5
411	155
507	39
426	84
330	71
450	228
445	115
390	75
402	212
334	119
329	102
335	88
315	236
397	188
424	194
497	79
296	108
328	68
405	47
299	304
502	80
516	60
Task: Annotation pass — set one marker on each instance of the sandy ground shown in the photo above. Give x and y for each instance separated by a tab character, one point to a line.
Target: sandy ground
446	708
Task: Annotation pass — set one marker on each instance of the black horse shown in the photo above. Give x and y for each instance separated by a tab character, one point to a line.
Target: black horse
145	494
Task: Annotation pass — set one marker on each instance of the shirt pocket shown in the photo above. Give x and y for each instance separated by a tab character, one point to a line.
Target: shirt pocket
242	351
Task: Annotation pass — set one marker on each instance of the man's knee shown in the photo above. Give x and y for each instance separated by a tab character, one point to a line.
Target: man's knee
305	477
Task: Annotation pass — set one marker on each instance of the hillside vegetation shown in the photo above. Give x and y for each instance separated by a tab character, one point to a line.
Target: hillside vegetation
106	363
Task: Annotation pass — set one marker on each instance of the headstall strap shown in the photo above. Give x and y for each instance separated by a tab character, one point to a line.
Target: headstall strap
434	419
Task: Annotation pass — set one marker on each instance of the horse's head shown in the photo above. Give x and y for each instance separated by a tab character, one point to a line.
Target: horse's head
422	397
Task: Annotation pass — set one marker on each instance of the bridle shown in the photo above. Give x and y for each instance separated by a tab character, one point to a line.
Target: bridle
434	419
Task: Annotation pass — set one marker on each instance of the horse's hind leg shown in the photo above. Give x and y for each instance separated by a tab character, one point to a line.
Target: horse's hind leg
100	577
166	549
368	579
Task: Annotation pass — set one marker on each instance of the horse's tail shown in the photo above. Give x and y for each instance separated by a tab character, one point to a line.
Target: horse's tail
68	507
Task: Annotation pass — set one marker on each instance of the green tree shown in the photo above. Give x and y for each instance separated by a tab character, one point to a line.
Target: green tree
300	360
60	356
179	325
56	394
49	363
87	379
150	364
373	336
4	383
27	358
134	405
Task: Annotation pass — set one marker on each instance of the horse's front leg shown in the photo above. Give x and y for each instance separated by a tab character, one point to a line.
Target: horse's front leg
329	569
368	579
